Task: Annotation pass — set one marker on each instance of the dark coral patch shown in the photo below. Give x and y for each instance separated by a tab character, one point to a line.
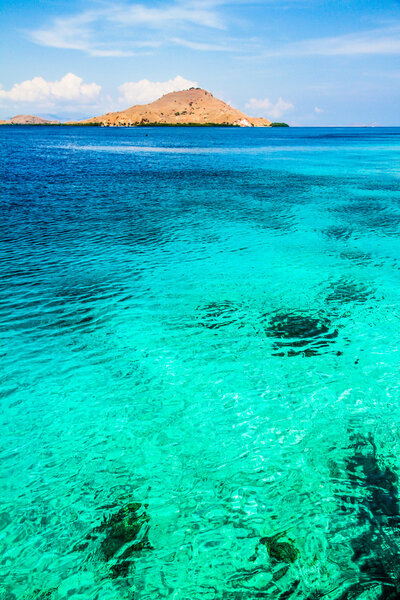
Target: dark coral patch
370	214
215	315
43	595
122	535
126	534
281	551
336	232
297	334
39	594
346	291
358	257
373	497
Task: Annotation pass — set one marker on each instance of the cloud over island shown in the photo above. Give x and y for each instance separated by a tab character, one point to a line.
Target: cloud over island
72	89
72	92
274	110
144	91
69	88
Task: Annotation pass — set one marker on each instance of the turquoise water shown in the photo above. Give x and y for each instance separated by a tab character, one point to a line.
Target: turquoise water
200	363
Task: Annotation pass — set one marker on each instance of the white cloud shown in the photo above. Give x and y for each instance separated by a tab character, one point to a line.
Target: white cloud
176	13
318	110
268	108
75	33
114	29
71	33
143	91
201	45
375	41
69	88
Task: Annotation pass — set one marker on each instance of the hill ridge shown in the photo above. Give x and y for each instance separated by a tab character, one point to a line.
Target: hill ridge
194	106
27	120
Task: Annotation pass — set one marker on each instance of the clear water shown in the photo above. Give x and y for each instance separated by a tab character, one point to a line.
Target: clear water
204	322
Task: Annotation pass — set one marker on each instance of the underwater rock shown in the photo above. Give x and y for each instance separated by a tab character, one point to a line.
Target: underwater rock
376	550
280	551
380	482
219	314
128	527
297	334
348	291
358	257
40	594
370	214
338	233
123	535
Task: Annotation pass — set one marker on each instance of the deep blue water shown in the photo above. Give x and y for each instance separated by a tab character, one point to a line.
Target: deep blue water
200	363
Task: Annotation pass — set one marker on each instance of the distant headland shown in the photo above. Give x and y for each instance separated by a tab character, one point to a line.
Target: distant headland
189	108
28	120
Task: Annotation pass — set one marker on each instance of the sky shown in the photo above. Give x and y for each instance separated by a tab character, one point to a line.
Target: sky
306	62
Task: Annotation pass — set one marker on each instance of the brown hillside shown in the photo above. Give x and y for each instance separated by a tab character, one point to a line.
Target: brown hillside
27	120
181	108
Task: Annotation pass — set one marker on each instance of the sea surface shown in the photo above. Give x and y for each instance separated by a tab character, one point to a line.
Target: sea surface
200	367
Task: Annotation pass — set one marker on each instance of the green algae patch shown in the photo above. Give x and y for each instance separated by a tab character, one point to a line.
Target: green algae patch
125	534
120	538
40	594
280	551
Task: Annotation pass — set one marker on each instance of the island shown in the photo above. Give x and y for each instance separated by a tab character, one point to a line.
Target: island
188	108
28	120
193	107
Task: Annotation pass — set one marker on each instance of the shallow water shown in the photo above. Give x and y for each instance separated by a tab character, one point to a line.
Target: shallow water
203	322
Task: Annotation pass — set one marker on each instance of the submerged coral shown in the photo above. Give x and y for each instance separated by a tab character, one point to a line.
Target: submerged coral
345	291
338	232
297	334
370	214
375	501
281	549
122	536
126	533
40	594
46	595
219	314
358	257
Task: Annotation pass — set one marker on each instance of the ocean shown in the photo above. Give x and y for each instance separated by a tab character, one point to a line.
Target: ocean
200	363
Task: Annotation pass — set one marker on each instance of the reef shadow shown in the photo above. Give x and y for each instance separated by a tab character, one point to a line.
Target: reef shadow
299	334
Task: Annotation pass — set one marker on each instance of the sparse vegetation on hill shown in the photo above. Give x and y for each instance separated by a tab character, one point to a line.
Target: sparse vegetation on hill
194	107
28	120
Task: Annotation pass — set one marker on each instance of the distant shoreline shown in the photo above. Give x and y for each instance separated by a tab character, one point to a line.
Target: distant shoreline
139	125
15	125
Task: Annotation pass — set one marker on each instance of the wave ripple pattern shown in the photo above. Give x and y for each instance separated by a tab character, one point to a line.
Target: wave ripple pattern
200	367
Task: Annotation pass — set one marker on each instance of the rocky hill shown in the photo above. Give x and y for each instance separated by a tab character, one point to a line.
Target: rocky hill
27	120
195	106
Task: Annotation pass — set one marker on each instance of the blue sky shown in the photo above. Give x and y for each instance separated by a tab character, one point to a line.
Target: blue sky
308	62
